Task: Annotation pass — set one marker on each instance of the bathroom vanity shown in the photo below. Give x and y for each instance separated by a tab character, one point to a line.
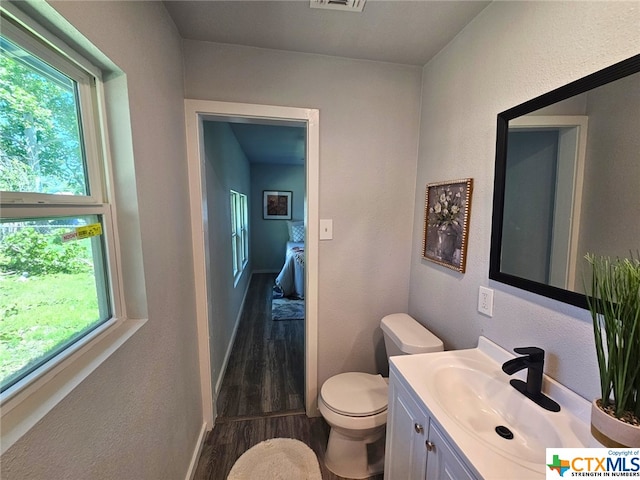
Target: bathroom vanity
454	415
416	447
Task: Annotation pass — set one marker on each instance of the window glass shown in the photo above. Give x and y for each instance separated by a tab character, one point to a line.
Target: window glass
53	289
54	283
239	234
41	146
245	233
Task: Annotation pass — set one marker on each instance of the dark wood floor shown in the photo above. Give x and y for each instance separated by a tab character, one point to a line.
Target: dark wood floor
262	393
230	439
265	373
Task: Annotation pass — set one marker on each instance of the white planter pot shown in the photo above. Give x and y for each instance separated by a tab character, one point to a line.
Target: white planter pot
612	432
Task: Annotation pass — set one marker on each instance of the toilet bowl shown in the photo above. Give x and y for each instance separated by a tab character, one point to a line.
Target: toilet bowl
355	407
355	404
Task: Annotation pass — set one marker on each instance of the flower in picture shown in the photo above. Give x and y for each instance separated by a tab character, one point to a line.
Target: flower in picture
448	208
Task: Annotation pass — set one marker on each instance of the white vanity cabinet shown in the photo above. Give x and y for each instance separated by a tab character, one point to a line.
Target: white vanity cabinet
407	427
442	461
441	421
416	449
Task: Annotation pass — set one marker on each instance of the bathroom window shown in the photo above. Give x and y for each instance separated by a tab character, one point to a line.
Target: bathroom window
239	234
56	231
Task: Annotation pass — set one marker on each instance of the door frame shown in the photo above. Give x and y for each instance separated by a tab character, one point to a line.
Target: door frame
197	111
572	151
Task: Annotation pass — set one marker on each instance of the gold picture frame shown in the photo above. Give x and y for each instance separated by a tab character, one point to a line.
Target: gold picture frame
446	223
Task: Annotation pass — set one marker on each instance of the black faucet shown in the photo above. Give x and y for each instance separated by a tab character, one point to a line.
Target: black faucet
533	360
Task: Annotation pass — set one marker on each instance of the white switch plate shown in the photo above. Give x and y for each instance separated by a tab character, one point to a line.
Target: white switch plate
485	301
326	229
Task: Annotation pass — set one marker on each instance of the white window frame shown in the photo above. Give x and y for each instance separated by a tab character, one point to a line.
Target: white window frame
87	79
31	398
239	235
244	230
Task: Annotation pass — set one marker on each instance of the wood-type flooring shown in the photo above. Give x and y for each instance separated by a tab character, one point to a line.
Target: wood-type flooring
230	439
265	373
262	393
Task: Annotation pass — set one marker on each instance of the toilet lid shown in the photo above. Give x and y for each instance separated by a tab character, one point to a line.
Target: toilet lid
355	394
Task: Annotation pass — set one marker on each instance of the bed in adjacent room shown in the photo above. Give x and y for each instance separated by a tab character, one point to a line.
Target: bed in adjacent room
290	280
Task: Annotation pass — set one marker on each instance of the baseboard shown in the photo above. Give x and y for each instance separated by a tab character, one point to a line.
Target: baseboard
196	453
227	354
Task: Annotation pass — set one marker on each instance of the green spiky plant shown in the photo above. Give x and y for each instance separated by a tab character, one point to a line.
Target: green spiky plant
615	310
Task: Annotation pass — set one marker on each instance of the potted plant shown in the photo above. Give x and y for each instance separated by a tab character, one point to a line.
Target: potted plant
614	303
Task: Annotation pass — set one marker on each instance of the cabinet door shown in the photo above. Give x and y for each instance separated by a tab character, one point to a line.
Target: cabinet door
442	462
407	425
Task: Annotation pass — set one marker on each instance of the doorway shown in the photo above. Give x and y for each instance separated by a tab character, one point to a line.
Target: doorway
198	112
546	162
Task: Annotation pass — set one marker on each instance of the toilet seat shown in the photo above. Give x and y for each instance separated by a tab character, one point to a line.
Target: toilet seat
355	394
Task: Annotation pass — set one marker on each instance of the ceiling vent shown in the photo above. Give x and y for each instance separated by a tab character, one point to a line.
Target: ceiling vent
346	5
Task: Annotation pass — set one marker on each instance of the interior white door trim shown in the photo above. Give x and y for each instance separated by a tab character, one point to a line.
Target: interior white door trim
572	152
196	111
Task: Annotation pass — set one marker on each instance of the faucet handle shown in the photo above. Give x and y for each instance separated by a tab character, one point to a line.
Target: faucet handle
536	354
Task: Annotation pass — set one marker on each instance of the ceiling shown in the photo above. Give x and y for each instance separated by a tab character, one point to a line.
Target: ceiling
396	31
271	143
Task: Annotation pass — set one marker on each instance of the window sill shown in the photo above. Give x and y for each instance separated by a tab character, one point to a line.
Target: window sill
28	406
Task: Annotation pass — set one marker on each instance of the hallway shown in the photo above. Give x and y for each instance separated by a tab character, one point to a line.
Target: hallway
265	374
262	393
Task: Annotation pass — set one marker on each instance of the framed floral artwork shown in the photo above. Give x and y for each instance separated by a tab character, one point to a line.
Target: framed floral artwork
276	205
446	223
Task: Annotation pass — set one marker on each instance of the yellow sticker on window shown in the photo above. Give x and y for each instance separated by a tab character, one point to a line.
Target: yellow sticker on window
83	232
89	231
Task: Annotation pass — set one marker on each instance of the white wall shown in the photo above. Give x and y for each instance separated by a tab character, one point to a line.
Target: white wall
369	117
138	415
512	52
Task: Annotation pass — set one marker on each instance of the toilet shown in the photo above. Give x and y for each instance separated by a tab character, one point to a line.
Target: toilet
355	404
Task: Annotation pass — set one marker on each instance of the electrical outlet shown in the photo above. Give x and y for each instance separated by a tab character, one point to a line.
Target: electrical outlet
485	301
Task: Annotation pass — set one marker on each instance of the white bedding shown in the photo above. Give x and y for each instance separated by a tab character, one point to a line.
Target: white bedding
291	277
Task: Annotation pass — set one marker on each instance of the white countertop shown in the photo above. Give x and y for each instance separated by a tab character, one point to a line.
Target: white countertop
464	418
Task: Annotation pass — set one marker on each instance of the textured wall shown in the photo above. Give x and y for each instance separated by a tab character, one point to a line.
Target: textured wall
226	168
511	52
369	117
139	414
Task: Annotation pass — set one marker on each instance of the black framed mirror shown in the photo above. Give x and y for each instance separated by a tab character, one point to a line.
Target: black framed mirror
567	182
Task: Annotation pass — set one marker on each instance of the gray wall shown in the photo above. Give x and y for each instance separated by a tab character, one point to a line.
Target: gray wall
367	179
510	53
226	168
269	237
138	415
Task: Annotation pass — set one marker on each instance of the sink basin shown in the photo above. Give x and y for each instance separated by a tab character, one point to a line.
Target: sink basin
502	433
480	400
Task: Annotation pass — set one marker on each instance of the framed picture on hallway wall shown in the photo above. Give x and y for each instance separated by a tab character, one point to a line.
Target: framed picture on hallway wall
276	205
446	223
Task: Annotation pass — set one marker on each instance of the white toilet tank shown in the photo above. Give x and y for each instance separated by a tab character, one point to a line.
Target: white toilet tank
403	335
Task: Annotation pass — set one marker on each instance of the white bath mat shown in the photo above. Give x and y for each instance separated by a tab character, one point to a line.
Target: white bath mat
277	459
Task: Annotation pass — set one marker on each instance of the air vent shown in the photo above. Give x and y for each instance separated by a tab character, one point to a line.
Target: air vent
345	5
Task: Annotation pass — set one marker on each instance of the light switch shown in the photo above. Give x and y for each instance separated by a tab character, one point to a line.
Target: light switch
326	229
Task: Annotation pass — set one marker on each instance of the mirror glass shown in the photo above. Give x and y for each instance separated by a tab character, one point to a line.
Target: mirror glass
567	183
